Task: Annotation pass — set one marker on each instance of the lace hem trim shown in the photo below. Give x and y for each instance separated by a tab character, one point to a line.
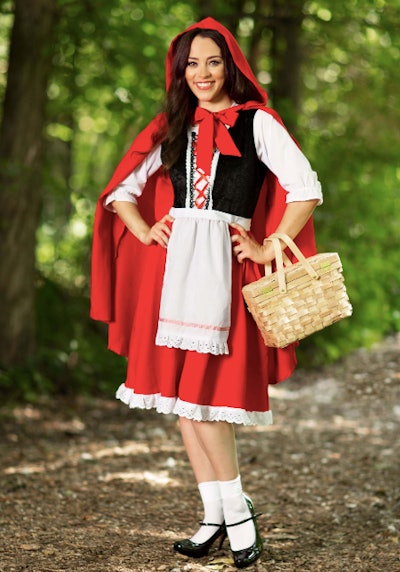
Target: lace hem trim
168	405
199	346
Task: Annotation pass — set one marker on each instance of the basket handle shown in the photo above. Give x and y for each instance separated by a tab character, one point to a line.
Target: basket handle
281	258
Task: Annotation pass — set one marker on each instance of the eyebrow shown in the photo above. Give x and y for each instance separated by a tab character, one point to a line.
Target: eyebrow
209	58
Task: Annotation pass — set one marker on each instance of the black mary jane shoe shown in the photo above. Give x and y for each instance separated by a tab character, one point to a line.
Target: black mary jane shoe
197	550
247	556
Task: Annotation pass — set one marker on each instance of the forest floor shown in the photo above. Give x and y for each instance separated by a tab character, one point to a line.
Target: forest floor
91	486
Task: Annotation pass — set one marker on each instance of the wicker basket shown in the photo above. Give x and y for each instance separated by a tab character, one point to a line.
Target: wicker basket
298	299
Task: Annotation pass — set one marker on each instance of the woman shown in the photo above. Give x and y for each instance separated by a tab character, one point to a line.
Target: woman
168	280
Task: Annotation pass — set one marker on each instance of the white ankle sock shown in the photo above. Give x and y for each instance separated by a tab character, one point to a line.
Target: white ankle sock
213	513
235	510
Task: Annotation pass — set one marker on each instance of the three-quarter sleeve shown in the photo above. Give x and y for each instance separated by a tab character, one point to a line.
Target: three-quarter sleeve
278	151
132	187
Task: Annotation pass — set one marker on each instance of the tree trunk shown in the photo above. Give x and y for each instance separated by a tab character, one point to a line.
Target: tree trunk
286	58
21	143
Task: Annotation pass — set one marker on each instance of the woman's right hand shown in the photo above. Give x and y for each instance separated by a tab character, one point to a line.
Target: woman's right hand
160	232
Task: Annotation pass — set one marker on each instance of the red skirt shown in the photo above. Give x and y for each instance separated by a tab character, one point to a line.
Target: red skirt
198	386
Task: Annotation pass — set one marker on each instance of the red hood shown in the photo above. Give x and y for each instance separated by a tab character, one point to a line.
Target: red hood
234	48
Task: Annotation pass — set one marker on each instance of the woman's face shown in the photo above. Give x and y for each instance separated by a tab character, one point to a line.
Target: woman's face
205	74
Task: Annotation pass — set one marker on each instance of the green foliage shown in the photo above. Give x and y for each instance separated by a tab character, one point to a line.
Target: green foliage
5	26
107	83
363	229
71	357
351	126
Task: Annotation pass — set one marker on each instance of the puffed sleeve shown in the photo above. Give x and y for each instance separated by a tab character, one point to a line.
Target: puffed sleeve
277	150
132	187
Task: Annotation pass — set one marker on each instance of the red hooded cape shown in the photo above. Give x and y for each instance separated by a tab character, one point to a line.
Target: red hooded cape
121	276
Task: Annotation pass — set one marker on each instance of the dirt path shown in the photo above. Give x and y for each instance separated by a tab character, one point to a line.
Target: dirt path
94	487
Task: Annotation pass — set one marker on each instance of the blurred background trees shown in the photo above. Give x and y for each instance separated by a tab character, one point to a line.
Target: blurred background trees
79	79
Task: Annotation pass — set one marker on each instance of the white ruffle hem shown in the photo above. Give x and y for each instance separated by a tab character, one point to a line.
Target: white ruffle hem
168	405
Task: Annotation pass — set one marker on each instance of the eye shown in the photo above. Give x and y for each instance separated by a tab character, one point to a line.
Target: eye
191	64
215	62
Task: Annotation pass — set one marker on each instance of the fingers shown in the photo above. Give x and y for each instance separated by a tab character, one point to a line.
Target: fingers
242	232
161	230
167	218
160	233
241	245
245	246
238	239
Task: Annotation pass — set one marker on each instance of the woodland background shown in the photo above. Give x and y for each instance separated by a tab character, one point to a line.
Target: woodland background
80	78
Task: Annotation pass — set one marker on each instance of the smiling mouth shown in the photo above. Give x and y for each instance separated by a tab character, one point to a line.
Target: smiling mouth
204	84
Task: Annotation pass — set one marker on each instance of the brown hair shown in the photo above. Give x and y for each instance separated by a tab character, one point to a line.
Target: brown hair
181	103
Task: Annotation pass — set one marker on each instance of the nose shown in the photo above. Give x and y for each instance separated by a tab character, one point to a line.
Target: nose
204	70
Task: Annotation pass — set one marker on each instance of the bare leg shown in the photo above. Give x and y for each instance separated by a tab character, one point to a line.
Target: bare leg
211	448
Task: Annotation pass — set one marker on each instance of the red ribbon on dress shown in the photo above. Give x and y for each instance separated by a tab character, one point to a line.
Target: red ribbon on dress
214	133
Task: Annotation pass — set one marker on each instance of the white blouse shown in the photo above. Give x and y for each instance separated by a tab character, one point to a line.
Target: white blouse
275	148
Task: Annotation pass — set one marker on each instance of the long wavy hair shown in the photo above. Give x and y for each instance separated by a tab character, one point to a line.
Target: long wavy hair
181	103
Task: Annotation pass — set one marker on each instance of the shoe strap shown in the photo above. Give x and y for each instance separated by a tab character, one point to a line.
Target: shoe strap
211	524
252	517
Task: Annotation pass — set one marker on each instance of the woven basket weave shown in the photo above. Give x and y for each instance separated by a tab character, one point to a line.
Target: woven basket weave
298	299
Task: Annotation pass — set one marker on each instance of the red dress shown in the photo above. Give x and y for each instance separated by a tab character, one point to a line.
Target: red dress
126	289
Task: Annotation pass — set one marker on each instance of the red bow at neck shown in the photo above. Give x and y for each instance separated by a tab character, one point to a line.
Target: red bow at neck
213	133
